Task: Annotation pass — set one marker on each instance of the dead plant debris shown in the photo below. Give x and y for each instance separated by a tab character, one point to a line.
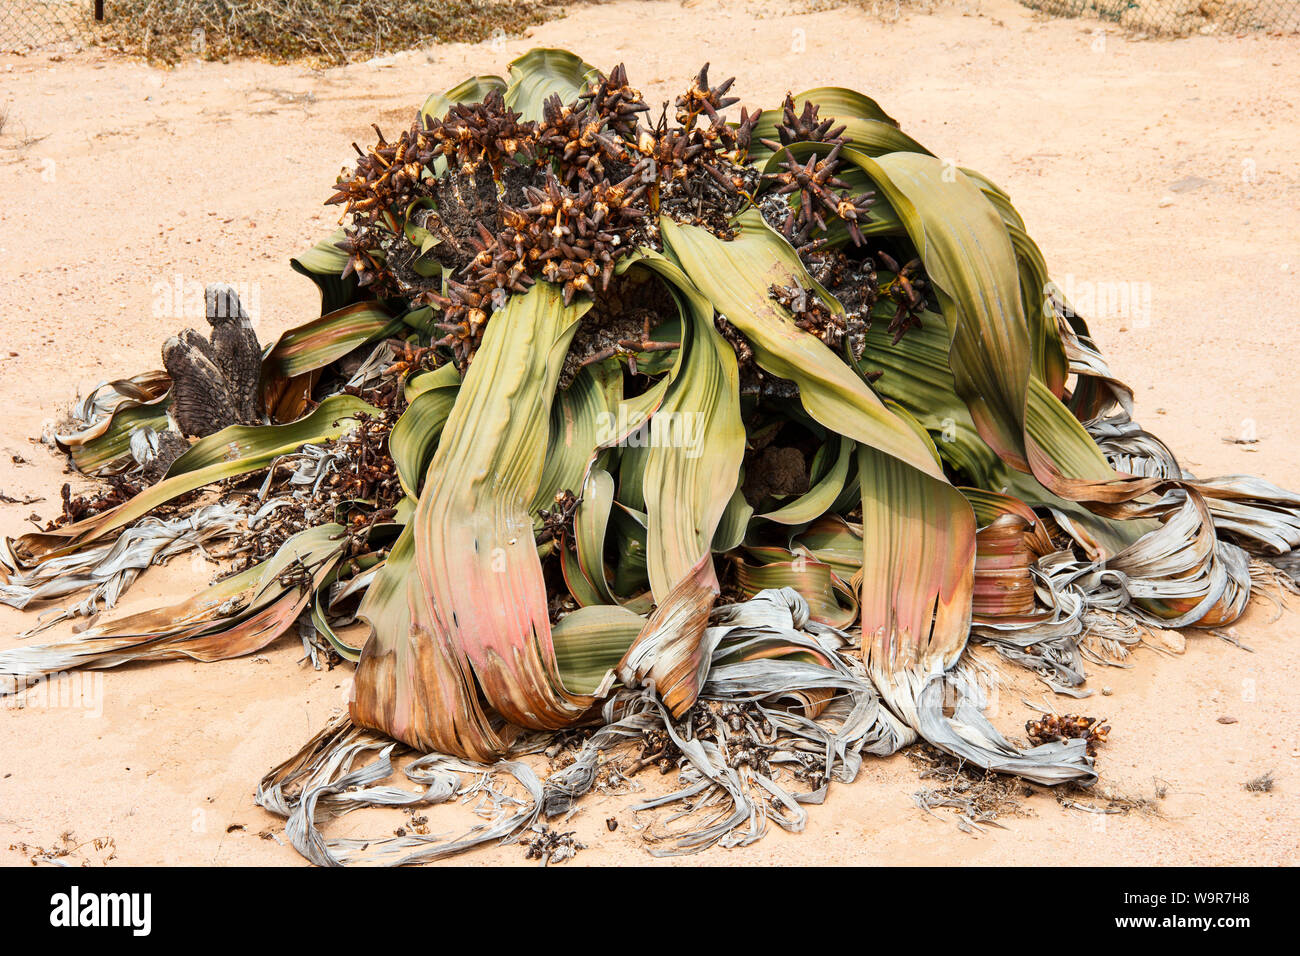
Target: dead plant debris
1053	727
70	852
552	846
1261	784
977	798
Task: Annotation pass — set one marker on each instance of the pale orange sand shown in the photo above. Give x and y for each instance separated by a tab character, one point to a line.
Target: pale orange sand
1171	163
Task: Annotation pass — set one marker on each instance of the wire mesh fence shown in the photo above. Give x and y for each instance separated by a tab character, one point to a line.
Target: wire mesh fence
45	24
1183	17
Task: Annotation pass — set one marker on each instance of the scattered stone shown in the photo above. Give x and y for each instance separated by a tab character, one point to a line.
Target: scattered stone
1172	641
1190	184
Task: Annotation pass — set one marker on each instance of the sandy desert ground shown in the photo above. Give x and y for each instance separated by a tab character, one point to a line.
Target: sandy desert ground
1168	163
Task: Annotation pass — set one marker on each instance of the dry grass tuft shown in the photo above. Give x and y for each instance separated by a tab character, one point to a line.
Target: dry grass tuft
1261	784
324	32
1104	799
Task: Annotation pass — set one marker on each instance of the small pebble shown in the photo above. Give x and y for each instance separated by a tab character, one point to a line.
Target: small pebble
1170	640
1106	692
1227	720
611	824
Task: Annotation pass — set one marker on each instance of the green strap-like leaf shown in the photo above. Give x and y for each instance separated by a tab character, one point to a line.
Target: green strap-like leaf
315	344
630	572
972	266
590	526
539	73
736	277
905	494
590	642
1044	332
437	378
734	523
248	447
697	441
415	436
821	497
106	447
472	90
916	375
291	366
324	263
578	419
867	127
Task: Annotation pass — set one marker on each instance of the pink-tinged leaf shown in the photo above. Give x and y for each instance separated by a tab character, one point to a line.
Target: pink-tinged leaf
476	598
237	616
831	600
670	652
1010	539
292	365
917	569
410	682
1004	584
